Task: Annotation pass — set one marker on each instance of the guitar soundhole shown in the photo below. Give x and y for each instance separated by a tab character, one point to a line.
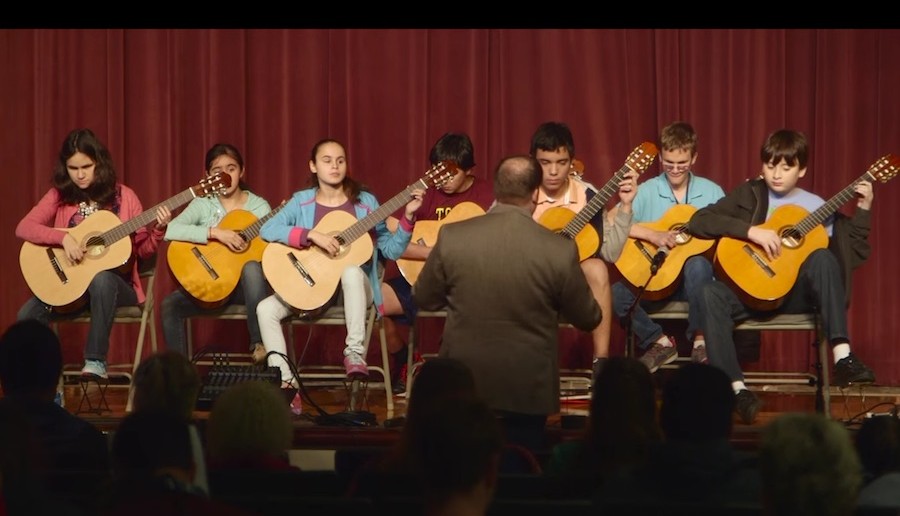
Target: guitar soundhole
683	236
791	238
95	246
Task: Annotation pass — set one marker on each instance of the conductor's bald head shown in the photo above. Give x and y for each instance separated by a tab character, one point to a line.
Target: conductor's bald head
516	180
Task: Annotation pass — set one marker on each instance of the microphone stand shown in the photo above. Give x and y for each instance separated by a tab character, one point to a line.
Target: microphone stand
629	314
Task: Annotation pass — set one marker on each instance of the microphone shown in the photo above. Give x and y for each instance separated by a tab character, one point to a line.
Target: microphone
659	259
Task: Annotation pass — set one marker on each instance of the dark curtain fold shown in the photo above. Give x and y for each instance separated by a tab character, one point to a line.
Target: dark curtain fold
160	98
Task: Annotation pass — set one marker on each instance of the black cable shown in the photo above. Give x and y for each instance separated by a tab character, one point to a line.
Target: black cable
300	387
861	415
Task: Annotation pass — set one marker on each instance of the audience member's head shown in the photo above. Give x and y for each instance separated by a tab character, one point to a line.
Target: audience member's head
437	381
456	453
878	444
30	360
622	423
153	443
697	404
808	466
168	382
249	425
440	378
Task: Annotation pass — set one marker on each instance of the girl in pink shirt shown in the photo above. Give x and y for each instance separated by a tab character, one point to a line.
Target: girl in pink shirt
84	182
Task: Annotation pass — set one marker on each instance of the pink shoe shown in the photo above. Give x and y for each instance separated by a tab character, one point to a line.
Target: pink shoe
297	405
355	365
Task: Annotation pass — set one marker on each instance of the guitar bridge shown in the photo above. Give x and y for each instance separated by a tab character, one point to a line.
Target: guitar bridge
54	262
643	249
301	269
759	261
206	265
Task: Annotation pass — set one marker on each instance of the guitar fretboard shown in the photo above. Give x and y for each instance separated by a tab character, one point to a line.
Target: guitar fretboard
597	202
146	217
363	225
815	218
252	231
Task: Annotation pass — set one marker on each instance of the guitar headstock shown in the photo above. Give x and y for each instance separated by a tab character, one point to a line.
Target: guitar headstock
641	157
213	185
440	173
885	168
577	167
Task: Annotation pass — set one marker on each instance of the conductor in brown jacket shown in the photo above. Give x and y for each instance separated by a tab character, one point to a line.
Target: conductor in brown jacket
505	282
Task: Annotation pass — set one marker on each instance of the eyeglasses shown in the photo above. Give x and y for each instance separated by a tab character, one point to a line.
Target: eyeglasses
675	167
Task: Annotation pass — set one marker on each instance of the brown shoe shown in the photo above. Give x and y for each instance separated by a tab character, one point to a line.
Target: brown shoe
259	353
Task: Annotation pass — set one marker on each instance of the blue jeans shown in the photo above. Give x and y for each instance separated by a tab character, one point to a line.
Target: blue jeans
819	287
696	273
178	306
107	291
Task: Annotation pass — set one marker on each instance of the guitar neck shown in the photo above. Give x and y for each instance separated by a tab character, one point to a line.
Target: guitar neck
815	218
597	202
363	225
252	231
146	217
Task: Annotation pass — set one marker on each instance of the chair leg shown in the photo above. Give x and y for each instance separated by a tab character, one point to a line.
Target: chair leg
386	364
823	388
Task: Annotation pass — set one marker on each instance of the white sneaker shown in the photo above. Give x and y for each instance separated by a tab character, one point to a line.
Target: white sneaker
94	368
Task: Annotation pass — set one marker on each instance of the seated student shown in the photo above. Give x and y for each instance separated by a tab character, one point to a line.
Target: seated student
30	367
198	223
333	190
153	469
808	467
554	148
464	186
823	281
84	183
676	185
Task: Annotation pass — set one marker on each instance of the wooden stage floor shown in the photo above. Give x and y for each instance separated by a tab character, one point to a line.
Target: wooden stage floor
849	406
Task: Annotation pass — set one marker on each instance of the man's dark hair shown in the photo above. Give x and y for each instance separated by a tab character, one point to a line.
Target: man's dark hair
456	147
550	136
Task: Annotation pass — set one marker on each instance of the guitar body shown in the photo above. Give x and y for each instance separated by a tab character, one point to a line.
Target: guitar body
307	278
425	232
210	272
761	283
106	241
56	281
637	255
587	239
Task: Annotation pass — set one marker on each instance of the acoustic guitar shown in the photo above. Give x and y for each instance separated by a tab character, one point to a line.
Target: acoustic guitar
637	255
105	239
762	283
426	232
210	272
307	278
576	226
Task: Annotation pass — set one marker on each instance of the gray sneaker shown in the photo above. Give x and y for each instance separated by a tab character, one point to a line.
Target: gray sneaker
94	368
698	354
658	355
